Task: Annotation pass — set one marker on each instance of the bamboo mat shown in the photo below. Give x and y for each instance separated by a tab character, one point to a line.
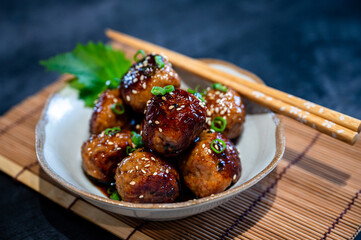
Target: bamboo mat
314	193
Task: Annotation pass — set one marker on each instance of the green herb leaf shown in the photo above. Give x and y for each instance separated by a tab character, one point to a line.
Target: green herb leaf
95	66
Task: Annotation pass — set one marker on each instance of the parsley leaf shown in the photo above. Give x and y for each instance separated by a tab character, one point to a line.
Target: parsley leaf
95	66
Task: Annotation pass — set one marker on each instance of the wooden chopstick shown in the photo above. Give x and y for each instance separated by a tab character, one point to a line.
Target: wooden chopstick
325	120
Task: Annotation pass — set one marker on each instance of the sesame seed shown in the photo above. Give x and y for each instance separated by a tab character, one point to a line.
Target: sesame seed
136	167
110	143
141	196
89	149
234	177
131	171
164	98
171	107
141	132
155	173
150	121
137	126
135	80
209	151
204	145
156	122
160	130
179	109
143	171
183	106
167	170
134	91
144	85
141	77
152	158
147	165
132	183
118	148
128	98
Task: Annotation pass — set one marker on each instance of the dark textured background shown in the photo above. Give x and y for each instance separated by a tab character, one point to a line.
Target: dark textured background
311	49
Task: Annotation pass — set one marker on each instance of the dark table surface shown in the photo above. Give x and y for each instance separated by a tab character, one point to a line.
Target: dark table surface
311	49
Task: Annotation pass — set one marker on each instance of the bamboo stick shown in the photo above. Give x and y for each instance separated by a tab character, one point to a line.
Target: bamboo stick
325	120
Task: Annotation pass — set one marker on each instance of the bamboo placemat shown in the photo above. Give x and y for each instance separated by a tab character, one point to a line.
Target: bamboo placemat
312	194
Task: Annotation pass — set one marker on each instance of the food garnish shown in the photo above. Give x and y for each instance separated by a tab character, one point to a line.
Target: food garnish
219	87
117	108
135	57
111	131
221	122
159	91
137	139
95	66
197	94
216	147
159	61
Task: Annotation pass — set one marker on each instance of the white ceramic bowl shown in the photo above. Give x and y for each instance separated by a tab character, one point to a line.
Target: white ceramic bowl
64	125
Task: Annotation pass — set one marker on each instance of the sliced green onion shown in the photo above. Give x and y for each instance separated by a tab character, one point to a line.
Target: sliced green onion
129	150
115	196
169	88
117	108
219	87
158	91
112	131
159	61
135	57
221	122
216	149
197	94
162	91
136	139
147	72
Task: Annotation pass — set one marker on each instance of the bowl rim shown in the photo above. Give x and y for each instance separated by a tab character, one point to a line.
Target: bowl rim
280	147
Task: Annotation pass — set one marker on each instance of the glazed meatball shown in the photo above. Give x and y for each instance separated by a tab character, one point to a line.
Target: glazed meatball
104	117
137	83
172	122
206	172
143	177
229	106
101	154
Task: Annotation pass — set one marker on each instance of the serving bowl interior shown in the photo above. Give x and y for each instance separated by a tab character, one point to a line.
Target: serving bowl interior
64	126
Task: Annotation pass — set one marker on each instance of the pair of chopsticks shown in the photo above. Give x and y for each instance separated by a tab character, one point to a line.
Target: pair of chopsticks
330	122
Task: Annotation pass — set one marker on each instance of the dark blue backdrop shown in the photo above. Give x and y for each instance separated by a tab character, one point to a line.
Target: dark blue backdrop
311	49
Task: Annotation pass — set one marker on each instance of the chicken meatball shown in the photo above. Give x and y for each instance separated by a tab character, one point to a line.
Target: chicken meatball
227	105
142	177
207	172
109	111
102	152
172	122
136	85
